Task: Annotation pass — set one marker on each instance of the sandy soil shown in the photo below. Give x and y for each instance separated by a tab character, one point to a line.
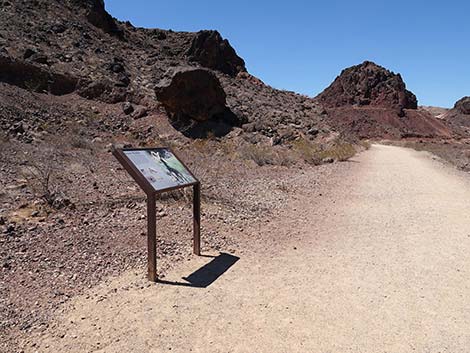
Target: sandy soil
377	263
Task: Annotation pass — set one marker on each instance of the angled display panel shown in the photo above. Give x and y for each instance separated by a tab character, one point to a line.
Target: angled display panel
160	167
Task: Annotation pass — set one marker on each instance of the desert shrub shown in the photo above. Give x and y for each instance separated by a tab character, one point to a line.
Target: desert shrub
314	153
309	151
78	141
365	144
260	154
42	182
340	151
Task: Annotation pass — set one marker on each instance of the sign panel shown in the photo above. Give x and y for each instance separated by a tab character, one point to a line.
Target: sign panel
161	168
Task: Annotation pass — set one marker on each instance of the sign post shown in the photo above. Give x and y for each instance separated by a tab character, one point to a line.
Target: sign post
158	170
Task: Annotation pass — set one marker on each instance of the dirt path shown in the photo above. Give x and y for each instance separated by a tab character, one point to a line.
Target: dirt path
381	264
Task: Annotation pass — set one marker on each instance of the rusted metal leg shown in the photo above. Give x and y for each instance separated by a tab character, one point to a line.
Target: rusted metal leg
197	218
152	237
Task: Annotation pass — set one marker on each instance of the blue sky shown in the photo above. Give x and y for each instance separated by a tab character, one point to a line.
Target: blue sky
303	45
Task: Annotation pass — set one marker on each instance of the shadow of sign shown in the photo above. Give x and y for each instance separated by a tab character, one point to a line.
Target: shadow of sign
208	273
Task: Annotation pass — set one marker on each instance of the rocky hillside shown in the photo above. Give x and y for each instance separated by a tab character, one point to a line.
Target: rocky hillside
368	84
437	112
371	101
76	47
459	116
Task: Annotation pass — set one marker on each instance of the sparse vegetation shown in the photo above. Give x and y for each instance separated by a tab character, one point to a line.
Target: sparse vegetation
41	180
314	153
308	151
264	155
341	151
365	143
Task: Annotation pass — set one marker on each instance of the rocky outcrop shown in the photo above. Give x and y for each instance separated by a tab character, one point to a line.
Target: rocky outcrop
368	84
195	102
459	116
209	49
35	78
96	14
463	105
369	101
191	93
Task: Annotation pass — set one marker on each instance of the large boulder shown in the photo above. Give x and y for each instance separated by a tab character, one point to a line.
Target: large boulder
463	105
191	93
368	84
209	49
195	102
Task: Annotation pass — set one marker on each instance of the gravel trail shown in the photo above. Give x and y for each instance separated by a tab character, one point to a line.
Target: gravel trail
379	262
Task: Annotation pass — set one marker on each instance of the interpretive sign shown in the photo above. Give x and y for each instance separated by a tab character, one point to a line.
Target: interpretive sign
161	168
157	170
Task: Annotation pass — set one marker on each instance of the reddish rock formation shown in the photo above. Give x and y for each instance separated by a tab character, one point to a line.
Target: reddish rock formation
368	84
369	101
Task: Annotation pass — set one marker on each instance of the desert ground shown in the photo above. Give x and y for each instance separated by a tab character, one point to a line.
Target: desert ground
373	257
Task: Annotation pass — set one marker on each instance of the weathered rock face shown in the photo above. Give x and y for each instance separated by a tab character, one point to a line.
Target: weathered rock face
463	105
96	14
191	93
35	78
368	84
209	49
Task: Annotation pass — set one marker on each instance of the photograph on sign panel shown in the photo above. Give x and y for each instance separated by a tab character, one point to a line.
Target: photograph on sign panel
160	167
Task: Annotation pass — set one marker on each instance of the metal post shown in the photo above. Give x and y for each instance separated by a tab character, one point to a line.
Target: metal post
197	218
152	237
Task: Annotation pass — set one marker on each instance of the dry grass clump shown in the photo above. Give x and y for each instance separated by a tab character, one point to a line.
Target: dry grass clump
301	149
265	155
308	151
340	151
365	143
315	153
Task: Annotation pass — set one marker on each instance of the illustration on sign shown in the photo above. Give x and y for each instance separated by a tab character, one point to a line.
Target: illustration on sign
160	167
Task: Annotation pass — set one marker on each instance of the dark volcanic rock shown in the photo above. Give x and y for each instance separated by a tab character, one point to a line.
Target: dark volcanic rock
212	51
195	102
96	14
463	105
34	78
368	84
192	93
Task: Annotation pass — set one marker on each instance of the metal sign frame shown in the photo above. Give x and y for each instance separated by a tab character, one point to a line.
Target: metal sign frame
151	193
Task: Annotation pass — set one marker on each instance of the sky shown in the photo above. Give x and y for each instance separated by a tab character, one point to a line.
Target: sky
302	46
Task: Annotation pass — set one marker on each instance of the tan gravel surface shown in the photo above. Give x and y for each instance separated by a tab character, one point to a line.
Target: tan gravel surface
378	263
